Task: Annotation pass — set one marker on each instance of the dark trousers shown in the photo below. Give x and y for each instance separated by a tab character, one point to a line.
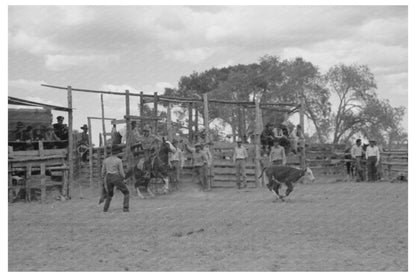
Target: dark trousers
115	180
359	172
372	169
201	172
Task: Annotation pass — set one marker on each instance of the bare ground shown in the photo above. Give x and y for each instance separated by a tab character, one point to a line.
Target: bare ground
323	227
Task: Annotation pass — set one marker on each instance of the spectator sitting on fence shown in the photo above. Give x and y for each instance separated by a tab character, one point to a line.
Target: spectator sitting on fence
51	138
277	154
61	129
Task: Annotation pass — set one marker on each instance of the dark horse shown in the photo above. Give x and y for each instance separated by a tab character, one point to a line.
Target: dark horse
155	165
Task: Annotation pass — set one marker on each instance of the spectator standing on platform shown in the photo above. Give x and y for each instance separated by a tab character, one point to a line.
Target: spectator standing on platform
357	156
51	138
372	155
61	129
239	158
277	154
295	136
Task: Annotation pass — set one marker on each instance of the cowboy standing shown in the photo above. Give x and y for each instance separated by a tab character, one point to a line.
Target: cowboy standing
199	163
176	161
372	155
356	156
113	175
239	158
84	135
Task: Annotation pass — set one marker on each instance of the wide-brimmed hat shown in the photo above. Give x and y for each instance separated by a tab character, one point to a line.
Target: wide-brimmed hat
20	124
50	127
199	145
239	140
60	117
146	128
372	140
84	127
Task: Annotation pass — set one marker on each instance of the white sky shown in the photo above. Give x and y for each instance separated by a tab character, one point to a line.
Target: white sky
146	48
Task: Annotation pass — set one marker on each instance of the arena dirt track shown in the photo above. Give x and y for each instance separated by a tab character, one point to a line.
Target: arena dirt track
324	227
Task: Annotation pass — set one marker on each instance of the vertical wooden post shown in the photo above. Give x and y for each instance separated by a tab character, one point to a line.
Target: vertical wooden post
243	119
155	99
70	146
128	130
42	175
302	141
196	121
206	126
257	141
28	188
190	122
90	149
141	111
103	124
169	123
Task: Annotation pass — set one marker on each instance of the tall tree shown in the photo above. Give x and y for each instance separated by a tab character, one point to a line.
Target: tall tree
352	85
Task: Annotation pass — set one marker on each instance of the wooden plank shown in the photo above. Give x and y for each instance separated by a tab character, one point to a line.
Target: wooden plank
28	174
169	123
155	99
42	183
128	132
257	140
90	150
47	152
70	145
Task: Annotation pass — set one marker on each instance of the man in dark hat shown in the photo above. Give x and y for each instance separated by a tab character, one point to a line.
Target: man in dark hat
356	156
114	177
199	163
84	135
148	141
267	138
61	129
18	133
372	154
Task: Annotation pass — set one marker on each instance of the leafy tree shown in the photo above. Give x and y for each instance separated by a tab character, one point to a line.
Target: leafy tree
352	85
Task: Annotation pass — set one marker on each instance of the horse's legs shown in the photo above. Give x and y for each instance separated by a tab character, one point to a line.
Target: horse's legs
149	191
139	193
166	187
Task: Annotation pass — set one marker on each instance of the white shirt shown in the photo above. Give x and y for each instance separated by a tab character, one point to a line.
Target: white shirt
240	153
372	151
356	151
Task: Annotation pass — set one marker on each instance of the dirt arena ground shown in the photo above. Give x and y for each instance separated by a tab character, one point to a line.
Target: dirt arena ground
324	227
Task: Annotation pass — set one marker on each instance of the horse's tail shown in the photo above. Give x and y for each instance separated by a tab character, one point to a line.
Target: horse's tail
261	175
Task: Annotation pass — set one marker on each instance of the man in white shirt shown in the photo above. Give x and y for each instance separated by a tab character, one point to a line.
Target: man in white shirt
176	162
277	154
239	158
114	177
356	156
372	154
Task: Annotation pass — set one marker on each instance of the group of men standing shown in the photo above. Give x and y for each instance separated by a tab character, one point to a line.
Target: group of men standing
371	154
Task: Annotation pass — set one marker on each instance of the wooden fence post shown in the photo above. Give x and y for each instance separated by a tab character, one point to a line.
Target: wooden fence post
169	123
128	131
155	99
141	111
70	146
90	150
302	141
103	124
257	141
190	122
207	138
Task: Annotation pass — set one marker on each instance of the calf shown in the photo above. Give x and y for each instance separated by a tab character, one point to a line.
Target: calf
278	175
